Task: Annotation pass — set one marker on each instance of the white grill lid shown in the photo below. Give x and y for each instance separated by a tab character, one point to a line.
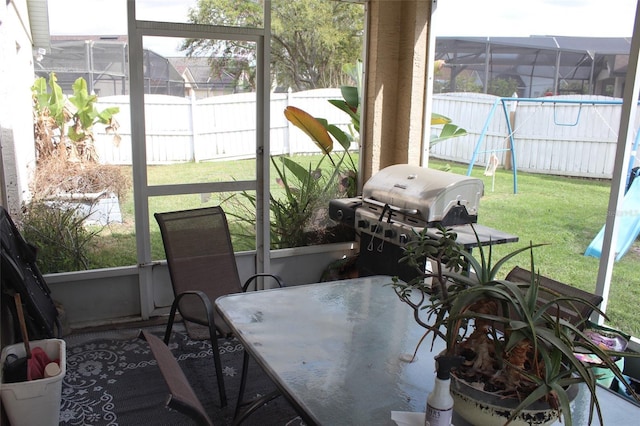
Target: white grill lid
423	193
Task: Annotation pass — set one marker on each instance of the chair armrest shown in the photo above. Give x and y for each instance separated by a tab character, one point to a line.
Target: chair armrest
576	313
203	297
175	306
252	278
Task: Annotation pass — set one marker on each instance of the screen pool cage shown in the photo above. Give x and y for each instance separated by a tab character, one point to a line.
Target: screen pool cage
537	65
103	63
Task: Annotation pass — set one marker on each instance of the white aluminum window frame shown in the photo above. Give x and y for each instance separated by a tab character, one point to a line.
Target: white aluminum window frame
137	29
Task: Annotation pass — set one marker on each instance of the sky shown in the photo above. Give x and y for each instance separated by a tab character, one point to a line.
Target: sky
522	18
517	18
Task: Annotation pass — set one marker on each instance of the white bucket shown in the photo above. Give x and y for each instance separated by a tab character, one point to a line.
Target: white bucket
34	402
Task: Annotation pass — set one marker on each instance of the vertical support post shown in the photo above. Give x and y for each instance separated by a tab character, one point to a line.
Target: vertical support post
263	129
623	151
395	83
287	137
487	69
508	163
512	147
139	162
428	90
556	78
88	62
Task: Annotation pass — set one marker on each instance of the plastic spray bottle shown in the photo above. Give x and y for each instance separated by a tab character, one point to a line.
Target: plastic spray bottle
440	403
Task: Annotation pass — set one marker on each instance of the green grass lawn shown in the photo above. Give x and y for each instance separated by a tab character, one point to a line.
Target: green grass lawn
564	213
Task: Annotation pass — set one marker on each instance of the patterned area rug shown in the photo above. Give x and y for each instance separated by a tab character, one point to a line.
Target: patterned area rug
117	382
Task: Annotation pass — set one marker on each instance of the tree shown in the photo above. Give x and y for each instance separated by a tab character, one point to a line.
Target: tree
311	40
503	86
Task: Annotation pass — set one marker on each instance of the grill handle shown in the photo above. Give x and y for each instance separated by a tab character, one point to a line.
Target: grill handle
392	207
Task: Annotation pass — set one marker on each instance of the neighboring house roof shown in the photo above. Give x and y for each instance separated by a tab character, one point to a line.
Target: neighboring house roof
198	72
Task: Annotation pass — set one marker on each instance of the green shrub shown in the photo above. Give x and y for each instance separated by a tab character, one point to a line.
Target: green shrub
59	234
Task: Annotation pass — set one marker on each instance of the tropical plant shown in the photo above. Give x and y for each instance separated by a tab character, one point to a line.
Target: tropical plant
350	104
66	156
307	191
67	165
63	129
516	343
299	217
299	214
65	123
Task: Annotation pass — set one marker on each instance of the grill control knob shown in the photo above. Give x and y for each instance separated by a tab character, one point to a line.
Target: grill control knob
403	239
376	228
363	223
389	233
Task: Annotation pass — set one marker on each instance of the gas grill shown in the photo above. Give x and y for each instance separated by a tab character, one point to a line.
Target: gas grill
401	200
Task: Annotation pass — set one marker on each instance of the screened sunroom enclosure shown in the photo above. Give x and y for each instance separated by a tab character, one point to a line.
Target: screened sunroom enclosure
540	65
143	290
390	135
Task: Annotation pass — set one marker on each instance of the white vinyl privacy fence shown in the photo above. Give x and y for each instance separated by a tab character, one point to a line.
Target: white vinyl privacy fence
573	139
217	128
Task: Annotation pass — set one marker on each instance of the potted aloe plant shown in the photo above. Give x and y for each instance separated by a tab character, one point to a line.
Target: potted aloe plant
518	351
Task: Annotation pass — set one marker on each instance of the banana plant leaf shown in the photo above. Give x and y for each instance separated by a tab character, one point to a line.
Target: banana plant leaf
311	126
439	119
448	131
350	95
344	106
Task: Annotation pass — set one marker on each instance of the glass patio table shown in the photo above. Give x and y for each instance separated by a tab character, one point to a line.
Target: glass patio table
337	351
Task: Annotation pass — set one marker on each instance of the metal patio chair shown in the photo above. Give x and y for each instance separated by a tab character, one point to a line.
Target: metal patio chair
181	398
202	267
577	315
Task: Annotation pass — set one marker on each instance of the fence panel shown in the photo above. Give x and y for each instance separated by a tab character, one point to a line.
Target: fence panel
553	138
226	127
108	151
216	128
470	111
572	139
